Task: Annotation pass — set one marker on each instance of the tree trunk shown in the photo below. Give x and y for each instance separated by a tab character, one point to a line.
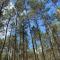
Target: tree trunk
4	40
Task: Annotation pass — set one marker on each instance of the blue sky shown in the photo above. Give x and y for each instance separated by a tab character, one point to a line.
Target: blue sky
52	7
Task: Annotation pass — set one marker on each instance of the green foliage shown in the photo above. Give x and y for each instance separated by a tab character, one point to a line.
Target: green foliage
58	7
1	24
36	5
32	3
8	13
4	3
20	5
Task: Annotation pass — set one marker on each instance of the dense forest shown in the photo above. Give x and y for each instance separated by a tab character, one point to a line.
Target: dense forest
29	29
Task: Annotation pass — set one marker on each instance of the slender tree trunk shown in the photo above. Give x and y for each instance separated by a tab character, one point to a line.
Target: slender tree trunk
5	39
48	30
55	37
20	48
32	41
35	36
15	41
9	46
23	45
40	40
25	56
26	50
